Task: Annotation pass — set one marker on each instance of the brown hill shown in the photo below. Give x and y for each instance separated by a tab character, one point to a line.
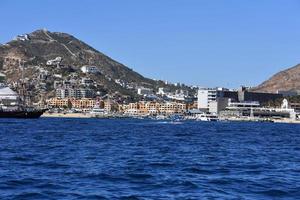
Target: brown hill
287	80
40	46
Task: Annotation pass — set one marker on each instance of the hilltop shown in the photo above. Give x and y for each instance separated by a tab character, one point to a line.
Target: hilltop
286	80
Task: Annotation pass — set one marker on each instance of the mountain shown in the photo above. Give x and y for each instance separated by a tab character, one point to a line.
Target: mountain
287	80
40	46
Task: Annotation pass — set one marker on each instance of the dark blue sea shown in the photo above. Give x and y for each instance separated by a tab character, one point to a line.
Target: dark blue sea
143	159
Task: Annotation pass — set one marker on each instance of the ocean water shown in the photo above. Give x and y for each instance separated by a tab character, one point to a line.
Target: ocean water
144	159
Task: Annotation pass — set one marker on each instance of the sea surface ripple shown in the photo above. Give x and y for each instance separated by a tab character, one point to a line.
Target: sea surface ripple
143	159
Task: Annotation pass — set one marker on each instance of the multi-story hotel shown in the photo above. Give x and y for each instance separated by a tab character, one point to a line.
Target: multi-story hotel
152	108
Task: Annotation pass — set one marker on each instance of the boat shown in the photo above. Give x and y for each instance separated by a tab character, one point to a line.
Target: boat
13	105
98	112
207	117
26	114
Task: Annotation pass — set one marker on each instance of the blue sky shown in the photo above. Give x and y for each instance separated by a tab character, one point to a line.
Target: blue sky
201	42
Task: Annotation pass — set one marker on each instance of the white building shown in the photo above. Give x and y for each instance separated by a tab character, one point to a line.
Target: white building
55	61
162	91
89	69
144	91
86	81
207	95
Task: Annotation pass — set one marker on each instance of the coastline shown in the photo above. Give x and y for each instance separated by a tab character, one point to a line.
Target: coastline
87	115
66	115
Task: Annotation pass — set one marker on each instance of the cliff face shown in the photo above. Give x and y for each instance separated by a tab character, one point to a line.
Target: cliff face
40	46
287	80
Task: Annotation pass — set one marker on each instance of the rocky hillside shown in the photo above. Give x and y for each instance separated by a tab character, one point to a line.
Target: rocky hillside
287	80
41	46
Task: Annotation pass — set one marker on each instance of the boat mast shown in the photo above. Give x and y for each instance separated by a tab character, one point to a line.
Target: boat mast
22	82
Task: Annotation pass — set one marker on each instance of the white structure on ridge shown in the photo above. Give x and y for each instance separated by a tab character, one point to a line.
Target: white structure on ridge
89	69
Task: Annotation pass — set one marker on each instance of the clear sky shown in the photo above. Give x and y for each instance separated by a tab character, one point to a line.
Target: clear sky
201	42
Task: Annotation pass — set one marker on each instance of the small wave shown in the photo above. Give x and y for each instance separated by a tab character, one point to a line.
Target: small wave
161	164
197	170
189	184
139	175
103	176
30	195
21	158
130	197
274	193
21	182
50	186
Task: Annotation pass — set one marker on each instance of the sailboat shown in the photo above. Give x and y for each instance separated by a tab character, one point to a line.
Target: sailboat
12	105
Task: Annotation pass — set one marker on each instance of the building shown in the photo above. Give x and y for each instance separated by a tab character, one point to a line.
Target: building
62	93
77	93
153	108
84	103
163	91
2	77
86	81
59	103
54	62
253	109
144	91
218	105
208	95
261	97
89	69
288	93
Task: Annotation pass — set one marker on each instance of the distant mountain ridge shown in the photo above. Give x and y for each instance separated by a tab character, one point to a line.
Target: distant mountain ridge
286	80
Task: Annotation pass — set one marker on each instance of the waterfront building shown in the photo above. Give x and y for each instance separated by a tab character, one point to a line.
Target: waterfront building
253	109
261	97
153	108
295	106
172	108
59	103
84	103
288	93
207	95
218	105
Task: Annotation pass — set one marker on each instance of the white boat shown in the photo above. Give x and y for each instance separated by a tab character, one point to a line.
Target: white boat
207	117
97	111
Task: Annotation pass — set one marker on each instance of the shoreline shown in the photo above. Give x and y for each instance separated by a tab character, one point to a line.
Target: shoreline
87	115
66	115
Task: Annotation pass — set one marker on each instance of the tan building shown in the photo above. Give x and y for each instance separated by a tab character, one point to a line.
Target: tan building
83	103
59	103
152	108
